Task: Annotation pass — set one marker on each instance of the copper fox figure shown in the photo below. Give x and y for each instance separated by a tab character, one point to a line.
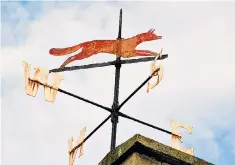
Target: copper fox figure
124	48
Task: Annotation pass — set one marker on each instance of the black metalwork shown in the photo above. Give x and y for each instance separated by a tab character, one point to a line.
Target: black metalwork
83	99
78	97
137	89
114	116
88	136
115	107
96	65
144	123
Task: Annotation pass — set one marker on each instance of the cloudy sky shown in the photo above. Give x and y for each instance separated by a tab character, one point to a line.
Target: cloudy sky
198	87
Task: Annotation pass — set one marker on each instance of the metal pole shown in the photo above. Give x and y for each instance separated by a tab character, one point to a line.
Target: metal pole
114	115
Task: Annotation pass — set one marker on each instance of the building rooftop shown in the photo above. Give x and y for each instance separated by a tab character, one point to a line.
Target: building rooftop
151	149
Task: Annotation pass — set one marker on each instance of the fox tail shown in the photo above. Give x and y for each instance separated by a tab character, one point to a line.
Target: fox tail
65	51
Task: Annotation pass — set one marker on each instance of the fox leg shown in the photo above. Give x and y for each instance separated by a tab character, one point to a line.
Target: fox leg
78	56
143	53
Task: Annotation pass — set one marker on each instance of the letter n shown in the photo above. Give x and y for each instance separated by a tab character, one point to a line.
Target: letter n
74	150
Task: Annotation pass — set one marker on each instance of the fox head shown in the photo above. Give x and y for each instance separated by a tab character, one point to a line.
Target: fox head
149	36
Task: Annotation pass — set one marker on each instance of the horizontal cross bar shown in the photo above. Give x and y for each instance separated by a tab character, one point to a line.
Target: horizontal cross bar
147	124
78	97
88	136
96	65
83	67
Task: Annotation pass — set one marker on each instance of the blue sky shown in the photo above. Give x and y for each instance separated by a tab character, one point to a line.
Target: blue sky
198	87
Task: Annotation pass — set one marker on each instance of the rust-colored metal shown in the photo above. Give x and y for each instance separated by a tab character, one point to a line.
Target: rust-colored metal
41	75
124	48
31	87
73	154
157	74
175	140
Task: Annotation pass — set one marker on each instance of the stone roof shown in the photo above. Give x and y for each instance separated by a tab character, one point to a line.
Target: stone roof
152	149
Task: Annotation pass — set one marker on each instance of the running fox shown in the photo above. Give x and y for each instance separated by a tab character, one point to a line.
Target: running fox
123	48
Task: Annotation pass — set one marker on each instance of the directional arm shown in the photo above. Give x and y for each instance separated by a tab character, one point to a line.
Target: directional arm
88	136
86	100
147	124
137	89
78	97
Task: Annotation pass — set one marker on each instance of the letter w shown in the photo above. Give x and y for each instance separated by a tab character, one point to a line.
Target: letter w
41	75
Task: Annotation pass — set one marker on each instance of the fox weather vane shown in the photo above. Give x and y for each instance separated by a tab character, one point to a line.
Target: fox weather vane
120	47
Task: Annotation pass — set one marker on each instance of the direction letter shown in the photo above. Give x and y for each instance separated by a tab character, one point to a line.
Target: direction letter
50	91
72	155
41	76
175	140
31	87
157	74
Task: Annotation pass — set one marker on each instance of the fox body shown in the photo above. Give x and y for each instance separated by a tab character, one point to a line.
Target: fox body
123	48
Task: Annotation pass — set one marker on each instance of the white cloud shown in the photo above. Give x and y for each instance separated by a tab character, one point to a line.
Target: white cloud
198	75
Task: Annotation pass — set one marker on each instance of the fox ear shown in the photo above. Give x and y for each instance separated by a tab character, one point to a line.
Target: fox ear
151	30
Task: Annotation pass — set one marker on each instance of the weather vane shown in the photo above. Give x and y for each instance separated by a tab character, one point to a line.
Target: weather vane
120	47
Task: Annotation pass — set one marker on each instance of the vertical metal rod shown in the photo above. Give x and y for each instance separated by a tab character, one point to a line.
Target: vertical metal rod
114	115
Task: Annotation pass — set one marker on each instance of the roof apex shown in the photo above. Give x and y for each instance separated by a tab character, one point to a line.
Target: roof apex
150	148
